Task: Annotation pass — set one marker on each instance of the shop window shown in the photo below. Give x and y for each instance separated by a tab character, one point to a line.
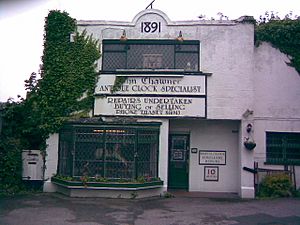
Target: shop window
283	148
150	54
109	152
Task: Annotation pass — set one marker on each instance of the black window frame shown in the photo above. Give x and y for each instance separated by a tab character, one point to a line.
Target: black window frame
144	151
177	51
279	148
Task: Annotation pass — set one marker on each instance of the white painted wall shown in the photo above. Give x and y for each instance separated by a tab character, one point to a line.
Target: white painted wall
226	51
246	159
51	162
243	77
277	85
212	135
163	152
277	94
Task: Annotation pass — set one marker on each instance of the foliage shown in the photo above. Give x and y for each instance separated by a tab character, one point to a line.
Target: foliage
99	179
141	179
66	178
283	34
12	140
167	194
84	180
10	166
277	185
104	180
67	83
296	193
68	73
66	88
119	81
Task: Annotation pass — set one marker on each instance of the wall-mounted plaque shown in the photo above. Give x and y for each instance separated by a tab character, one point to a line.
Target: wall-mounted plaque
211	173
212	157
194	150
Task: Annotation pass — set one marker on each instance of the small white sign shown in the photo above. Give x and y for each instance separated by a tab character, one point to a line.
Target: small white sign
211	173
212	157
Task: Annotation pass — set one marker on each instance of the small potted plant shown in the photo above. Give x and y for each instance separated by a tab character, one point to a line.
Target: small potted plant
249	143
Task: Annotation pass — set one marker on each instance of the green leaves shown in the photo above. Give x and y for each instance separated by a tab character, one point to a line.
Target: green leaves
67	83
276	185
68	72
10	165
284	35
65	90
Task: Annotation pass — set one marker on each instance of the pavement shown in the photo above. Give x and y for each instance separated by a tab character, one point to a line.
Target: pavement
56	209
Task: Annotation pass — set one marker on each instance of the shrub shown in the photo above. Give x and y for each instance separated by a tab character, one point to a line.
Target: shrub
10	166
296	193
276	185
168	195
68	70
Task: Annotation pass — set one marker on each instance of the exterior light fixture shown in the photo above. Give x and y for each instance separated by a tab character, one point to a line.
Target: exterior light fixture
180	37
123	36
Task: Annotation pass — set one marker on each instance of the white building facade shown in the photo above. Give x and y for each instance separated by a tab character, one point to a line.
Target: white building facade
203	88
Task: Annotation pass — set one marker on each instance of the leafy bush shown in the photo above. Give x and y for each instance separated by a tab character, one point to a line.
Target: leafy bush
277	185
10	166
296	193
65	90
168	195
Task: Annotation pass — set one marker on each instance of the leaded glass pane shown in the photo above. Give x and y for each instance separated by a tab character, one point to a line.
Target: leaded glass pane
283	148
113	60
110	152
150	54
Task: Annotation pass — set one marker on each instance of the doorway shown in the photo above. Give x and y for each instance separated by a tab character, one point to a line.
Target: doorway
178	177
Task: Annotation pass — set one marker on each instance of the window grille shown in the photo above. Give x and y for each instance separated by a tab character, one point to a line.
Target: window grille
150	54
283	148
109	152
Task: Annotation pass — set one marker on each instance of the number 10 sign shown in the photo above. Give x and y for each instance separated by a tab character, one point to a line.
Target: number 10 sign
211	173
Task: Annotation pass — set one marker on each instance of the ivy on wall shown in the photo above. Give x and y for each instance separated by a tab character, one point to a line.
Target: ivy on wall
283	34
67	83
65	89
119	81
68	72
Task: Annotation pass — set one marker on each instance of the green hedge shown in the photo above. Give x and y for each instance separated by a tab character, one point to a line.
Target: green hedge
277	185
10	166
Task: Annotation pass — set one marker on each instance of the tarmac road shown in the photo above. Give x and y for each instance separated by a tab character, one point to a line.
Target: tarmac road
55	209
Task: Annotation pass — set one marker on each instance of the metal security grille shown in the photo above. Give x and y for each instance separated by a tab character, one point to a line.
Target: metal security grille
146	154
150	54
283	148
109	151
66	152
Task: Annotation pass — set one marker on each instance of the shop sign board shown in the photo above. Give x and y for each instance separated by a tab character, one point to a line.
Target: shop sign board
150	106
152	96
187	85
